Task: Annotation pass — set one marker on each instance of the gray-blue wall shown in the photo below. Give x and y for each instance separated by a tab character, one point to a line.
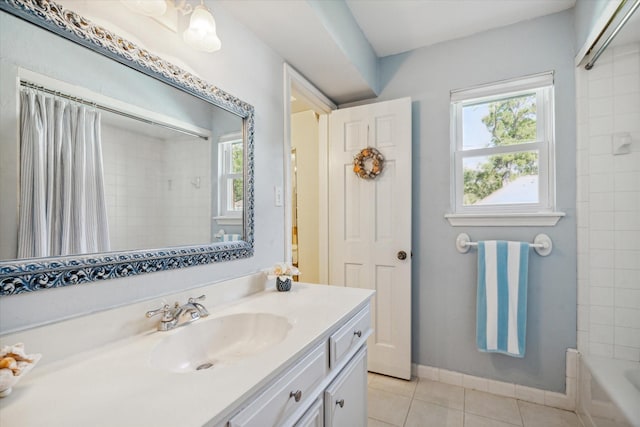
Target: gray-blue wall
444	281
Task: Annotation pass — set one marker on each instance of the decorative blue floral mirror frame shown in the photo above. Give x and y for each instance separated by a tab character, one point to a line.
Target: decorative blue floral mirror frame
21	276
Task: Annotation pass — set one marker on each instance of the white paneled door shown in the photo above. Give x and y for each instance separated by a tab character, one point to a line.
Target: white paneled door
370	224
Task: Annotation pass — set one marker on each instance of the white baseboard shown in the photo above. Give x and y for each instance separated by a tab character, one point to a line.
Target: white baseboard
566	400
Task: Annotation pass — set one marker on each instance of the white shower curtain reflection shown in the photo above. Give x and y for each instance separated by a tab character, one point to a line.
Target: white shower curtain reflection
62	199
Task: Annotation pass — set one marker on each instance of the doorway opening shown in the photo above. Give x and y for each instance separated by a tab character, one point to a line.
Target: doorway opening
370	231
306	177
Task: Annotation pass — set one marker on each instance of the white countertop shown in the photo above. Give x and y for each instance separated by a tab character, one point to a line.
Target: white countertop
115	385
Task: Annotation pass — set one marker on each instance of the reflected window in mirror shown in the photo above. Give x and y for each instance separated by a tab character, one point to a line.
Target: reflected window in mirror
230	184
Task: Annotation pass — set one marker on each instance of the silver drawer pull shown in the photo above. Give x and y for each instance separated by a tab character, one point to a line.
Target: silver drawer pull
340	402
358	333
296	395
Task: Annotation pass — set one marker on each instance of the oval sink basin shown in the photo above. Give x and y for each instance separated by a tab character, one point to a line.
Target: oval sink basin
210	343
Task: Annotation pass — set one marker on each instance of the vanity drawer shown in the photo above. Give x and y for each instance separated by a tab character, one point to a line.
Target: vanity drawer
350	336
278	402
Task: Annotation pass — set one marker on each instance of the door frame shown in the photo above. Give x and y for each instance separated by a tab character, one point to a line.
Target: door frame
323	106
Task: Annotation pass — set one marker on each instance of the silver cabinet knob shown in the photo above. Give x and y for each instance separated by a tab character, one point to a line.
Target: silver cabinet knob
358	333
297	395
402	255
340	403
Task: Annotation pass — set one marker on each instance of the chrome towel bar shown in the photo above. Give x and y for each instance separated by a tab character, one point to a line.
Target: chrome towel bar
541	243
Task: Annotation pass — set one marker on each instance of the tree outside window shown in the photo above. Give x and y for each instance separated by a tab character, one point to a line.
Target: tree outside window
511	121
502	147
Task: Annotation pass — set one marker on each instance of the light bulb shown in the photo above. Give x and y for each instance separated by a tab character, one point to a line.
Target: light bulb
201	34
202	21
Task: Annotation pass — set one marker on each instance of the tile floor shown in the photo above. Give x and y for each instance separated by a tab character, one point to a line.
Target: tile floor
424	403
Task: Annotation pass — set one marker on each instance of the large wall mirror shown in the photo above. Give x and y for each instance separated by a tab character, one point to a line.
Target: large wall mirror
113	161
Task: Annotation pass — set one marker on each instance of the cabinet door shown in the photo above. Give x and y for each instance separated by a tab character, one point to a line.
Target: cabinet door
345	400
313	417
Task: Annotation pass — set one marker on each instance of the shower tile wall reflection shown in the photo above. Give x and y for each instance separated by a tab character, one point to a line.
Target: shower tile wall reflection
158	189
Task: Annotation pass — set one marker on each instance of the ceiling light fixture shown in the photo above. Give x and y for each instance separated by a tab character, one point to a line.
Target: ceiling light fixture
201	32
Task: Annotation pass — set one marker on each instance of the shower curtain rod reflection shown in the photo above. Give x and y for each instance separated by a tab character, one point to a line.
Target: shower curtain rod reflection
109	109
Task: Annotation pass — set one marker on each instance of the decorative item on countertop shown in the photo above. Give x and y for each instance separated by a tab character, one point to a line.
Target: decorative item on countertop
368	163
282	272
14	364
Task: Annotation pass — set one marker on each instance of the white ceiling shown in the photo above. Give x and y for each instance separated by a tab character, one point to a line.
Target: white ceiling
293	29
395	26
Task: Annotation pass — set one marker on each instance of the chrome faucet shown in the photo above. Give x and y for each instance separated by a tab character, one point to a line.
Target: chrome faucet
171	316
193	303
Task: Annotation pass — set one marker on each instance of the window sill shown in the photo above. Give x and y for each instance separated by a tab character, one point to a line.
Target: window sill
228	220
540	219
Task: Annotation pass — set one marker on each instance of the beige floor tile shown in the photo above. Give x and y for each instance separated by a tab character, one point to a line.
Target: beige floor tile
423	414
491	406
471	420
436	404
394	385
372	422
537	415
388	407
448	395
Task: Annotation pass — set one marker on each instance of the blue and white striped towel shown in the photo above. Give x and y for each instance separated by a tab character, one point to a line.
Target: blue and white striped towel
502	297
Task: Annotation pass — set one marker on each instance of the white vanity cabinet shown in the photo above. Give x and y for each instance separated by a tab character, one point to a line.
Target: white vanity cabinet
345	400
325	387
293	383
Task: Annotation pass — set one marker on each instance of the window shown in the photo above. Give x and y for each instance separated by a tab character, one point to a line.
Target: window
502	150
230	177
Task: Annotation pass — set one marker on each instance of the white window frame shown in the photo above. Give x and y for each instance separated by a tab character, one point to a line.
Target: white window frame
225	177
541	213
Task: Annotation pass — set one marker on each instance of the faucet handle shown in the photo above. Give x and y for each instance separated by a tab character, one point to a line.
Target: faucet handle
165	311
200	298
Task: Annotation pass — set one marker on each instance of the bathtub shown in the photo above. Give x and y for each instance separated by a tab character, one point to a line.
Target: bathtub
608	392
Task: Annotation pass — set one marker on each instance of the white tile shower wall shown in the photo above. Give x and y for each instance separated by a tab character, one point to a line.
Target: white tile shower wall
608	199
132	165
188	199
158	193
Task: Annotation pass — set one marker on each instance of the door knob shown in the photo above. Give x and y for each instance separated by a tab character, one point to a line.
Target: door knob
402	255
